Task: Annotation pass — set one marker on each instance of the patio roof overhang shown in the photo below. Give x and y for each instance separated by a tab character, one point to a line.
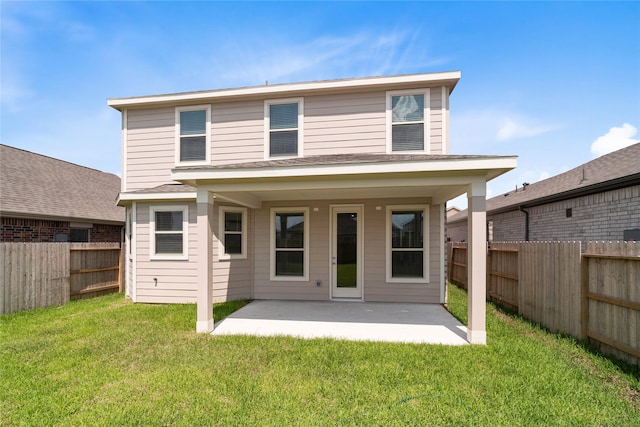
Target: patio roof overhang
439	177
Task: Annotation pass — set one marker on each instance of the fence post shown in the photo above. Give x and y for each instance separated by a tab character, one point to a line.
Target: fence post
489	264
584	301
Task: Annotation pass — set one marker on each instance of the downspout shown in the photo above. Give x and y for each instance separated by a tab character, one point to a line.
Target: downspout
526	223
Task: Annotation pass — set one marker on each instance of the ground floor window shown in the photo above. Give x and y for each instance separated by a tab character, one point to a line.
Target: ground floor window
168	229
289	244
407	243
232	233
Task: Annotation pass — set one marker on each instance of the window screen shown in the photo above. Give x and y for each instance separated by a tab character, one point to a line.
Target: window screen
283	130
193	135
168	232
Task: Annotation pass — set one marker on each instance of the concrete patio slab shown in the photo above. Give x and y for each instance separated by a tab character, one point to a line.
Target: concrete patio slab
390	322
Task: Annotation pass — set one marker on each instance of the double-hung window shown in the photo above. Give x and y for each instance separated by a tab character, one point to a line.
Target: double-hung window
283	127
193	134
290	244
169	232
407	243
233	233
407	121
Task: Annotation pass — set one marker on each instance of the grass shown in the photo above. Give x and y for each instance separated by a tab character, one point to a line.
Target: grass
107	361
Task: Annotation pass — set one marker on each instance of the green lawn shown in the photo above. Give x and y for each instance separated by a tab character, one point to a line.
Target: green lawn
107	361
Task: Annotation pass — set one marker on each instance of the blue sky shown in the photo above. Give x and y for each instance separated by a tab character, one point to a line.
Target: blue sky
556	83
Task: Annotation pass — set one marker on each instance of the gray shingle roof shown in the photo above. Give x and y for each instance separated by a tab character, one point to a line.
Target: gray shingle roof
623	164
167	188
36	185
337	159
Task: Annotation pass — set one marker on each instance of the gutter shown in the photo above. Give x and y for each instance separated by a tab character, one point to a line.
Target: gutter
613	184
526	223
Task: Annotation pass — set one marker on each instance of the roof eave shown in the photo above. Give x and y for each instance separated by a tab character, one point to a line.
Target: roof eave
125	199
29	215
490	167
610	185
599	187
448	79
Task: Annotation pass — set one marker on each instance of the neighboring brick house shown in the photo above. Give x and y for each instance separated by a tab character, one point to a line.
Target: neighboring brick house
43	199
597	201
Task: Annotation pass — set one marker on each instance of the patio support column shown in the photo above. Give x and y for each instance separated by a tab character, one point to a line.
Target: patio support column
204	321
477	263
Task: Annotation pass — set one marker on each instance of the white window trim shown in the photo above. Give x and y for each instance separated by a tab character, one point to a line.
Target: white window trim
272	245
222	256
267	125
425	243
185	232
426	117
207	159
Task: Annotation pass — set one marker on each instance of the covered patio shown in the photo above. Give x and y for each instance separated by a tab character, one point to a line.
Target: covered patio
346	177
355	321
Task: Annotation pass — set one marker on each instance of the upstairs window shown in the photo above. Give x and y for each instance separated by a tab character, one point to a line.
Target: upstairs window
283	128
193	134
407	116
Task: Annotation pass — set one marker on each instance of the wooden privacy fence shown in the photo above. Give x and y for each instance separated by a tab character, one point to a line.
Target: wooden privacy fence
610	297
593	294
37	275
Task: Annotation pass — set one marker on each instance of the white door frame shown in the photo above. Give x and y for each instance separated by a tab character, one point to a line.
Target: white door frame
356	293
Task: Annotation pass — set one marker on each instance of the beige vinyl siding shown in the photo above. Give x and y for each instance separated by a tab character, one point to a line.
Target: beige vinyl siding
150	147
237	132
375	286
237	135
436	120
344	123
264	288
177	280
337	123
232	278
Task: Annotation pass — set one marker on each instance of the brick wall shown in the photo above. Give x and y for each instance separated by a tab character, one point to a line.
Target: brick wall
38	230
597	217
106	233
508	226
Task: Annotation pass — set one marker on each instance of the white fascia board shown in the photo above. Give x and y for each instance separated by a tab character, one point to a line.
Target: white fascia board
261	185
457	165
137	197
278	89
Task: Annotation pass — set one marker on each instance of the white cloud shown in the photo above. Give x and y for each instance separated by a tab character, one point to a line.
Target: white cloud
514	126
475	128
615	139
347	55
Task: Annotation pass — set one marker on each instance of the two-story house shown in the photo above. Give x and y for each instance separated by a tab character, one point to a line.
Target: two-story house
317	191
